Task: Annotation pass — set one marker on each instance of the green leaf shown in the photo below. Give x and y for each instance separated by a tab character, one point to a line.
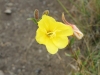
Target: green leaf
72	41
33	19
68	54
78	52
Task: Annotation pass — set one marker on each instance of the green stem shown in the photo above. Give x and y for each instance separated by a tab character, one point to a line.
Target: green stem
66	11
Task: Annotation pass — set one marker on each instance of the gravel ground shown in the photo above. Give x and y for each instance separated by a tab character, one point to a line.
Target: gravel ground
20	54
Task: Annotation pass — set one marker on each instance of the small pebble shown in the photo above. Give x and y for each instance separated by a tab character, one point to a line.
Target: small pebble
8	11
23	66
13	68
40	50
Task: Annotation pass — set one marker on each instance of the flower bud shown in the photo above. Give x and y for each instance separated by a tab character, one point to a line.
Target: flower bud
46	12
36	14
77	32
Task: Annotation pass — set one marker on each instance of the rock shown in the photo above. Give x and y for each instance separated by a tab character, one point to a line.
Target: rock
13	68
8	10
23	66
1	72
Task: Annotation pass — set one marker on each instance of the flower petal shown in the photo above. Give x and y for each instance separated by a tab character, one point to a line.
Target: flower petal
46	23
64	30
60	42
51	48
40	36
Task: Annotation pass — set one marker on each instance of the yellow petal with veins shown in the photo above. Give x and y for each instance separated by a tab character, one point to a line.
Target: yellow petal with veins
60	42
51	47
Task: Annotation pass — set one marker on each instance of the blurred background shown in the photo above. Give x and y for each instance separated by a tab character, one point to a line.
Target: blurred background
20	54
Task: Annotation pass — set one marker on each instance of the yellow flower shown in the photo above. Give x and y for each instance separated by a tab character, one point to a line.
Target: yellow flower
53	34
77	32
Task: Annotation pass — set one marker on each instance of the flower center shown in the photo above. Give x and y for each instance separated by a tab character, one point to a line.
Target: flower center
50	34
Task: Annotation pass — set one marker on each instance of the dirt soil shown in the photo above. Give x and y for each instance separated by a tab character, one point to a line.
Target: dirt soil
20	54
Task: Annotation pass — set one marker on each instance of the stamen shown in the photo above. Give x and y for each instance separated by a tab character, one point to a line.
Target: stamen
50	33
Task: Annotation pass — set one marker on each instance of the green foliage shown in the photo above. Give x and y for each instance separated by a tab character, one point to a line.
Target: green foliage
33	19
87	17
71	41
